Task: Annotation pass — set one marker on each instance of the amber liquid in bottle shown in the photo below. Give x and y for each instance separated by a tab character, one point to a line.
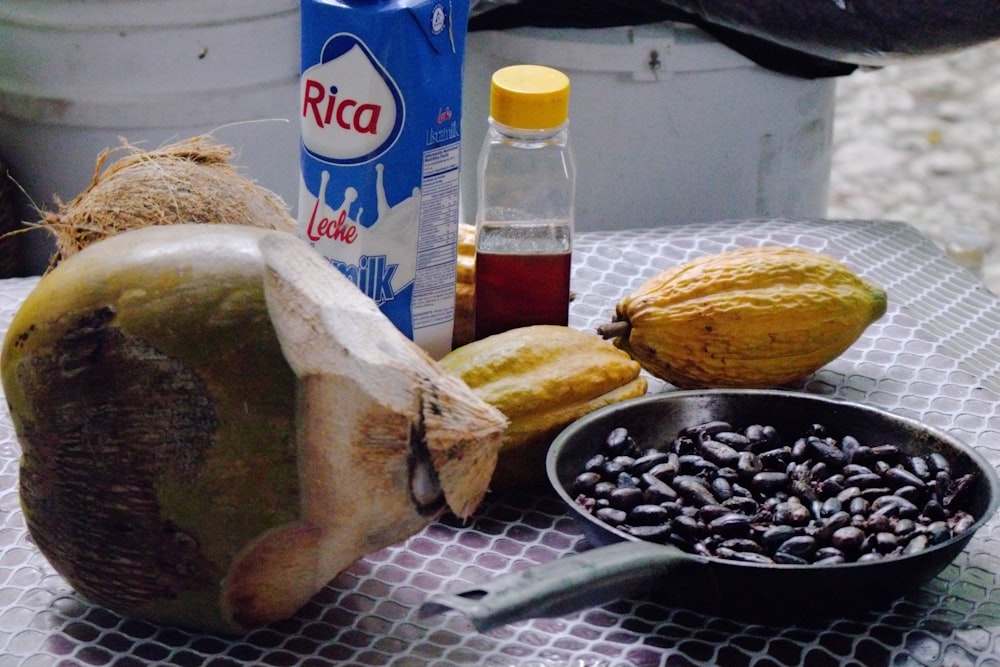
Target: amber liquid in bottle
522	276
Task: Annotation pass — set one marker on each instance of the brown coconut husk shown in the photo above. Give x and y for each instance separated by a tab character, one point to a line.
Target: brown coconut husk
191	181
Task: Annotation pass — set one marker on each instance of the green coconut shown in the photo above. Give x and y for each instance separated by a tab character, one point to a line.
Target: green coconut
214	423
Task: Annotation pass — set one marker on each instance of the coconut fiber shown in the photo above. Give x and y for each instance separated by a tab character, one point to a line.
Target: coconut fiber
191	181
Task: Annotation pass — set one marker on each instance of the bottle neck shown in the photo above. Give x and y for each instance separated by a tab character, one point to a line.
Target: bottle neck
528	134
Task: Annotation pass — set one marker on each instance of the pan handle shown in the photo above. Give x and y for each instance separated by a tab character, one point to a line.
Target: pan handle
562	586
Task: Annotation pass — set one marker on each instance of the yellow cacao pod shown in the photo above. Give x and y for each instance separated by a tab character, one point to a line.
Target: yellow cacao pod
542	378
465	287
755	317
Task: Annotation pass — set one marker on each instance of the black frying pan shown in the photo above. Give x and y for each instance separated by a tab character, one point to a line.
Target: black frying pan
628	567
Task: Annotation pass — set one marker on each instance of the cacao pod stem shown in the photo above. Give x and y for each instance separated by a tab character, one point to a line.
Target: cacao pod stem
616	329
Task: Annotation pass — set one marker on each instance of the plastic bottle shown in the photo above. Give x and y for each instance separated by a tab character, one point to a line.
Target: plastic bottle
525	191
380	125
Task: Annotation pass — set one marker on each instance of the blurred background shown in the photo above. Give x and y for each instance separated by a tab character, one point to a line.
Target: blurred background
669	124
919	142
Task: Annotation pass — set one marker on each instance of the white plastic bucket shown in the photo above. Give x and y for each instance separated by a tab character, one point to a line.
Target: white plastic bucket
75	76
667	125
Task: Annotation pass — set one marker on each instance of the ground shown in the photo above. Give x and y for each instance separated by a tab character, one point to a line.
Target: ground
919	141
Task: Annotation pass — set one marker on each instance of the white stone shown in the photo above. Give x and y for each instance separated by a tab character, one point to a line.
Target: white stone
864	157
943	162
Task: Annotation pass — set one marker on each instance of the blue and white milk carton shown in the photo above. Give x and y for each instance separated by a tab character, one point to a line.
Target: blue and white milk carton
381	102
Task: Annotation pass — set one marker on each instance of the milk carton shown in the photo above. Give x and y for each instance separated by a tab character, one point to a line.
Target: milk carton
380	102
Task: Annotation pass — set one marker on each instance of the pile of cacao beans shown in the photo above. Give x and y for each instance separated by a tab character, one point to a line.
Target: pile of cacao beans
748	496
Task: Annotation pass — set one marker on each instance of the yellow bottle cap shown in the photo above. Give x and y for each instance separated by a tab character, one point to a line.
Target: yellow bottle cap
529	97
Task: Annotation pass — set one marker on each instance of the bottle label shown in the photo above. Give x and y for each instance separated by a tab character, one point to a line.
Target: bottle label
380	95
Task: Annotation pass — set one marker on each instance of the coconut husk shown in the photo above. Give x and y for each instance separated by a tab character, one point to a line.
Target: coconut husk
191	181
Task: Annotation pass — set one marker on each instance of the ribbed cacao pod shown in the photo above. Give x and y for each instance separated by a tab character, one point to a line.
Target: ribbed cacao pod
542	378
465	287
755	317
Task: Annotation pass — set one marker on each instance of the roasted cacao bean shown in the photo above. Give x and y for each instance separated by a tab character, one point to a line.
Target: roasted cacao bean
743	495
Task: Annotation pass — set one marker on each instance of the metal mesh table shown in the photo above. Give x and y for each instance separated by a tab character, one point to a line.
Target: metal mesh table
934	356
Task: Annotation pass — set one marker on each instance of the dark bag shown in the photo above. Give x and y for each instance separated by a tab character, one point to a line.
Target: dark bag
804	38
